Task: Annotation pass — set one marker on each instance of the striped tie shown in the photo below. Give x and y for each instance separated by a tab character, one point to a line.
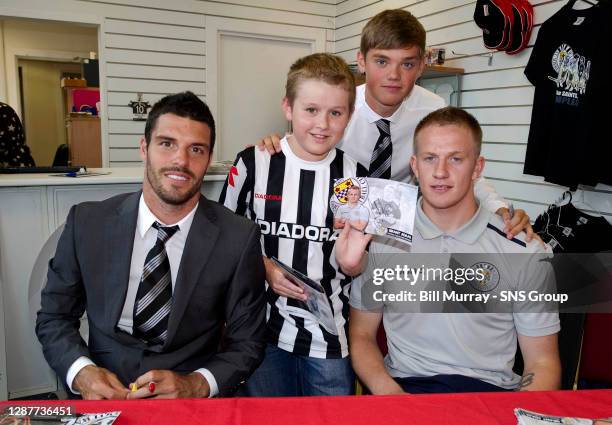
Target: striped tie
380	165
154	297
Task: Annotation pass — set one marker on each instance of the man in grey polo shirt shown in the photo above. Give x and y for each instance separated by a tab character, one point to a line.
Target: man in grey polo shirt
443	352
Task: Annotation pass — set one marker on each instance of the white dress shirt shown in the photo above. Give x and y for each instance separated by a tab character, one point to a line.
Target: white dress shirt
144	239
361	135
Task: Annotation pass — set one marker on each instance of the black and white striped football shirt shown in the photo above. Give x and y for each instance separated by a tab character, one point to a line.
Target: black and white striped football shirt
289	199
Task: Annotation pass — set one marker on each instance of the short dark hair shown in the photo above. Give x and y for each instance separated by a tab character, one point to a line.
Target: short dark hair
392	29
451	116
185	105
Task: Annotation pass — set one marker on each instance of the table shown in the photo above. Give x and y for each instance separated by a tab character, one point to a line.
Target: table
467	408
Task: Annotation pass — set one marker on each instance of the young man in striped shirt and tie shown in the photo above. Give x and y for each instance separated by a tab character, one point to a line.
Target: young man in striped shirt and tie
288	195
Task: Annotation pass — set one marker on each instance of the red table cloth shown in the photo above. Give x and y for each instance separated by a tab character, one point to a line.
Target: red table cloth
457	409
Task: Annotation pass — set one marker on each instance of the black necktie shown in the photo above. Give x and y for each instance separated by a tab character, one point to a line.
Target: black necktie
154	296
380	164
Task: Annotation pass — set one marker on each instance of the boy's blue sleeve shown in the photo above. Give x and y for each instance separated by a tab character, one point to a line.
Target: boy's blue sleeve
237	193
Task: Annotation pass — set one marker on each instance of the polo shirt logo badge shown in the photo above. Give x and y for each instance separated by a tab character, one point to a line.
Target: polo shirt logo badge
491	277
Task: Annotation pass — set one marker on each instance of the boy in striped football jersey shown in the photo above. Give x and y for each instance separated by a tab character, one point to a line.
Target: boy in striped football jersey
288	196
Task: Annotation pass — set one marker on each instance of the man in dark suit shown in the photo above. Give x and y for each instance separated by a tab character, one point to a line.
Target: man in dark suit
162	275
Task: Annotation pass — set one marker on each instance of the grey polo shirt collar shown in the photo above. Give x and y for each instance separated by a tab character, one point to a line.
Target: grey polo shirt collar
468	233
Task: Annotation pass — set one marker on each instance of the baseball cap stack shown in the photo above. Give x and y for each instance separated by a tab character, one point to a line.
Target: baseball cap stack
506	24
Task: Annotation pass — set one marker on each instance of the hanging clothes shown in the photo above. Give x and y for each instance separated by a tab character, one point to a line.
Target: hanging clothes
567	229
570	67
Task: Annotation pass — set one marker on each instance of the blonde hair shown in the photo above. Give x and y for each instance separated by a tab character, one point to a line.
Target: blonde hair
325	67
393	29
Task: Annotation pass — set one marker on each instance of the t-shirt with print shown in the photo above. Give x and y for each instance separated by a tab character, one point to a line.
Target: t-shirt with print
569	70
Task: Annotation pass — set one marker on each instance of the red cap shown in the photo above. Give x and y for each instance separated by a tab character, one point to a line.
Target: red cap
506	24
521	33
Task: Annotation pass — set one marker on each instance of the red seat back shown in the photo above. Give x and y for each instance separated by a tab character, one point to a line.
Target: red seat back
596	358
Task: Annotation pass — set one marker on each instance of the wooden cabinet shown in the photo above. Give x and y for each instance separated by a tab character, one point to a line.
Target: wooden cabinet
84	141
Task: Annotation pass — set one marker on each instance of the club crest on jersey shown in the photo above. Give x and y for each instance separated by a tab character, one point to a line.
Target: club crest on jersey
341	188
491	277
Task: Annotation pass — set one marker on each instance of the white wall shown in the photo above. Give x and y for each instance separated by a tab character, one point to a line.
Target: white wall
170	55
159	47
499	96
2	64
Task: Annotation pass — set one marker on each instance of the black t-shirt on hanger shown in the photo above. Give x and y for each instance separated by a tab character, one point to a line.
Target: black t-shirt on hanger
569	230
570	68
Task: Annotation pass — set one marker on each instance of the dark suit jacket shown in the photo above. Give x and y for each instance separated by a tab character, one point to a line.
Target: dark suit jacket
220	282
